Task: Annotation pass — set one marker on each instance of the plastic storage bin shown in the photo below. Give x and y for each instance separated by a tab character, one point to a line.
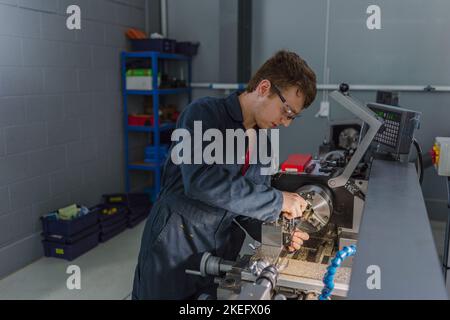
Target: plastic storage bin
110	219
73	238
140	79
138	211
113	231
138	205
68	228
112	226
133	221
70	251
137	215
139	83
159	45
130	200
187	48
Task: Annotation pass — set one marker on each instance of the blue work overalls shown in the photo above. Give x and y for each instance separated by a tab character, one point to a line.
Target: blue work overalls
197	210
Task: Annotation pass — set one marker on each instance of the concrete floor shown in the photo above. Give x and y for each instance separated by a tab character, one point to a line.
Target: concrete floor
106	272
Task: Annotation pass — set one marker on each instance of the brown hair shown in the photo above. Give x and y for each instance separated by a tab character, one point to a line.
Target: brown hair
286	69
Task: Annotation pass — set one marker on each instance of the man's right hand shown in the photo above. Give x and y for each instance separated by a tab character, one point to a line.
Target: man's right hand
293	205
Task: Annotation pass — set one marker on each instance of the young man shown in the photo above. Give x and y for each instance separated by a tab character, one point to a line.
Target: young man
200	206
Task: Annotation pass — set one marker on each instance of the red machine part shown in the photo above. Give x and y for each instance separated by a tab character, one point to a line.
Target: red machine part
296	163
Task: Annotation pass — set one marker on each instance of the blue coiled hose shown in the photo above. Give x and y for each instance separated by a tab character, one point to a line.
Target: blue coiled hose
328	279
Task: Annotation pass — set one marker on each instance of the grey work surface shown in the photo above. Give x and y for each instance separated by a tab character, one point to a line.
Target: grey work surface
395	234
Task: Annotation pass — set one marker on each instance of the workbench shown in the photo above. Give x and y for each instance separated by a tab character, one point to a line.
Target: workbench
395	235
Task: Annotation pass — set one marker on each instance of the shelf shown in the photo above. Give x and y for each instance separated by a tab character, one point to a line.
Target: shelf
155	58
162	127
144	166
159	91
155	54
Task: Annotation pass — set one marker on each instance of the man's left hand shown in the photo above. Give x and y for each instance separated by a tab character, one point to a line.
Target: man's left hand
297	240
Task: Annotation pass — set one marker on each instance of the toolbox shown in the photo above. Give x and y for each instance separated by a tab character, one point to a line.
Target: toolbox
296	163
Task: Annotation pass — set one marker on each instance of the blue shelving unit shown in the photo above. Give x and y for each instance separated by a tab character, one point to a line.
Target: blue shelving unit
155	58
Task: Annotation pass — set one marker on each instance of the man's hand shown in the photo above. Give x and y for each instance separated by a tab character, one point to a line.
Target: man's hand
297	241
293	205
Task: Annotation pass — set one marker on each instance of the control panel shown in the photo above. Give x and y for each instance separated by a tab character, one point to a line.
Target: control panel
397	133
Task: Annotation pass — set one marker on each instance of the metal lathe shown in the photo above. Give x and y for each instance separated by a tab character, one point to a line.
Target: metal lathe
363	196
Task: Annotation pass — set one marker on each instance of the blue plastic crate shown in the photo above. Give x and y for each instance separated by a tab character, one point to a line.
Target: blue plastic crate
105	219
187	48
118	229
111	227
159	45
73	238
129	200
68	228
135	221
138	211
70	251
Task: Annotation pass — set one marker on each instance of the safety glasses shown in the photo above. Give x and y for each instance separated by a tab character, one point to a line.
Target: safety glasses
287	110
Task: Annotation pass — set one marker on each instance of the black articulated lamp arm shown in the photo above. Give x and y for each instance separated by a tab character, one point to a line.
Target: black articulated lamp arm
419	162
368	117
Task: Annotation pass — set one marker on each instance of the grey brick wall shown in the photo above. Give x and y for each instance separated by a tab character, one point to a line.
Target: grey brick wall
61	136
